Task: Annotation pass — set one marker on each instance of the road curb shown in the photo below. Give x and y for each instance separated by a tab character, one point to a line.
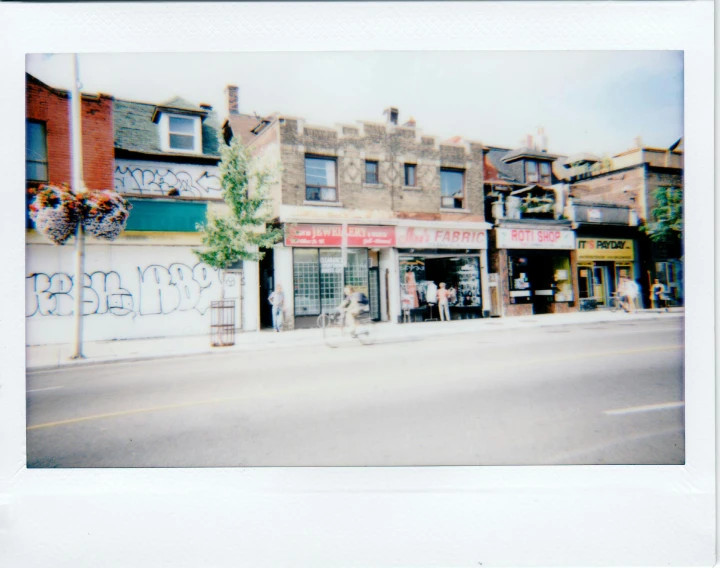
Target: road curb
500	324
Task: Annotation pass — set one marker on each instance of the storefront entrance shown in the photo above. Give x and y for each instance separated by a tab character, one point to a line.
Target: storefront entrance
540	278
421	276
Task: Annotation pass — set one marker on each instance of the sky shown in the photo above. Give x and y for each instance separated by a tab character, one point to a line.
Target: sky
586	101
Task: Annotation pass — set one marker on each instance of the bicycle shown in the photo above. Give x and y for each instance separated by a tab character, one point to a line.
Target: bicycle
616	302
335	329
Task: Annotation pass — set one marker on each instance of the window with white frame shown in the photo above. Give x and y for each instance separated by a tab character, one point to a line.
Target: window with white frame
182	133
452	189
320	179
531	172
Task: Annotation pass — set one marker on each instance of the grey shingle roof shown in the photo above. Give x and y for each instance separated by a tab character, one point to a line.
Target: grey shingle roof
528	152
136	131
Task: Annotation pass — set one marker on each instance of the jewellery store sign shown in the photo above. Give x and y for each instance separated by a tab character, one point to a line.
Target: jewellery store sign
535	239
332	236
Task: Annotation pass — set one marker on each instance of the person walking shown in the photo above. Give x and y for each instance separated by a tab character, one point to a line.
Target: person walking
632	292
277	300
658	291
443	295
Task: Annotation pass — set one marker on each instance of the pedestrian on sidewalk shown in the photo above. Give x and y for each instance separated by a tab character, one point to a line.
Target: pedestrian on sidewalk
658	291
277	300
443	295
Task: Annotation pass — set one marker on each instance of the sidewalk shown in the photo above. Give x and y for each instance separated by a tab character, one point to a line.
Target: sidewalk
42	357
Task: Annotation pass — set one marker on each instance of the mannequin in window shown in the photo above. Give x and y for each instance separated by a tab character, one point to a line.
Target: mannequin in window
431	297
411	287
443	295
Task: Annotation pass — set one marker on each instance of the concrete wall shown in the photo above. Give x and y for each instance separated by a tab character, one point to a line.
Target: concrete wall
131	290
159	178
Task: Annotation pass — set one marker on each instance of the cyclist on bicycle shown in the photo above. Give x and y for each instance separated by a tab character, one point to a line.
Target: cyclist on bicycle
354	305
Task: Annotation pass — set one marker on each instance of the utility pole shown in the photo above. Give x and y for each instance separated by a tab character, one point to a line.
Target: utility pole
78	187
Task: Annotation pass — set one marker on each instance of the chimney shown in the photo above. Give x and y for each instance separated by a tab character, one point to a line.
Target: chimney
543	140
529	142
410	123
392	115
638	142
233	95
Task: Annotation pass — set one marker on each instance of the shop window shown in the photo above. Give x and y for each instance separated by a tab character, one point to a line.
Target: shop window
531	172
452	188
545	175
36	157
410	175
318	278
371	172
585	282
181	133
320	179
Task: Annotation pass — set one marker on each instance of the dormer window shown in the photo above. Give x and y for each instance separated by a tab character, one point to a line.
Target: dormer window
545	176
531	172
181	133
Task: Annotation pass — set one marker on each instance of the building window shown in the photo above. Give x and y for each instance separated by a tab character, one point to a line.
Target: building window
531	172
545	176
371	172
36	159
452	189
181	133
320	179
410	175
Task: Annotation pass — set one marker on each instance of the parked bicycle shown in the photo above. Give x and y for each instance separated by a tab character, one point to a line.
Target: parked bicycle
336	330
616	302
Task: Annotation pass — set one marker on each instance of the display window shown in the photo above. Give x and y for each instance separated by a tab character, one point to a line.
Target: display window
420	277
539	277
318	278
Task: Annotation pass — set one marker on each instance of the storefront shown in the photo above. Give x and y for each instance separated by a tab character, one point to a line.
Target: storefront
429	257
320	269
601	264
536	268
394	265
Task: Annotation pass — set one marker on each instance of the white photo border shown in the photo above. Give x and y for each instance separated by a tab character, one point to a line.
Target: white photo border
439	516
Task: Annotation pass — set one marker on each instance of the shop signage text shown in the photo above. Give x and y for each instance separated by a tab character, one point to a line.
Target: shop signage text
535	239
423	237
388	236
605	249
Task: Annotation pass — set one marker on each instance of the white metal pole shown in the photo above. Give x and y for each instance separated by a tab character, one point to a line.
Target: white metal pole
78	187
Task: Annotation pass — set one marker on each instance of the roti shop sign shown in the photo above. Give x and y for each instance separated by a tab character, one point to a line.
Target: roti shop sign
423	237
535	239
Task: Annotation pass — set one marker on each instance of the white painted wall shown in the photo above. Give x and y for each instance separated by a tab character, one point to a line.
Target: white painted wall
389	261
158	178
130	291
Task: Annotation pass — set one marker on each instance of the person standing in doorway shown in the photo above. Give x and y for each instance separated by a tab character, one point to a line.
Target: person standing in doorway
443	295
277	300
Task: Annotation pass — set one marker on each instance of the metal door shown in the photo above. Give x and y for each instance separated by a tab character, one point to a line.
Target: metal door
374	289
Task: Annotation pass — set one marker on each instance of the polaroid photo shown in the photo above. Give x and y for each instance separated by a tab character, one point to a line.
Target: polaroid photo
359	284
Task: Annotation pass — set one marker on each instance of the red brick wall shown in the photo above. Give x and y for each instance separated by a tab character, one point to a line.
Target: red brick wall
53	107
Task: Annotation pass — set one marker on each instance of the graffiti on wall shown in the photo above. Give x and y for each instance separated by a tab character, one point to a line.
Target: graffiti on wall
160	290
165	181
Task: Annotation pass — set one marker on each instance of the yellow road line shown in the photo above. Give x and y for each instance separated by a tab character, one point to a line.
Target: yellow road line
308	388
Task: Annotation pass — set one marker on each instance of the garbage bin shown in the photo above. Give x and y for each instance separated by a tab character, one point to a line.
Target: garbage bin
222	323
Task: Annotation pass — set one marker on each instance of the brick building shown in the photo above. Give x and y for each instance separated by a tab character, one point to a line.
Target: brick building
381	206
627	182
146	283
48	144
533	257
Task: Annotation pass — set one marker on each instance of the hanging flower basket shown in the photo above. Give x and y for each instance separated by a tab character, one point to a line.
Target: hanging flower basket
55	211
105	213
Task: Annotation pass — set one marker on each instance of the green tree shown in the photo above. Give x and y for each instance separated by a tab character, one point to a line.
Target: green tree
666	217
243	233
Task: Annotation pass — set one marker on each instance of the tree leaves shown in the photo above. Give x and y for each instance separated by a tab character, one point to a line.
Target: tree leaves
666	223
244	232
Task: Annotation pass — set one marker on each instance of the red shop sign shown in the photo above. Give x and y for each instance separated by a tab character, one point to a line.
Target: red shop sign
369	236
313	235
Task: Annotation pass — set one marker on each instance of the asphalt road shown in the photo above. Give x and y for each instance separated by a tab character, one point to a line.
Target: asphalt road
607	393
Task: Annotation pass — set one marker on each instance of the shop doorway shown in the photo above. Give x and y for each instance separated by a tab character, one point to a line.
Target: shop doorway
267	285
374	296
